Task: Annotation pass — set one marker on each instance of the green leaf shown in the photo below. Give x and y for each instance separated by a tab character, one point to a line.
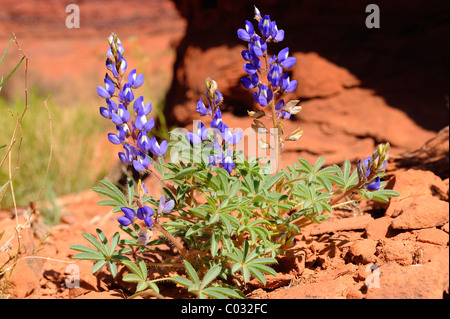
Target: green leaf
95	242
98	265
215	240
114	242
112	268
234	293
191	272
188	171
88	256
273	180
182	281
210	276
85	249
196	228
103	239
132	278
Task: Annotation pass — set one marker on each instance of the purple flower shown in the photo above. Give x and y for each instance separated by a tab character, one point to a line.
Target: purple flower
145	213
285	115
227	162
140	107
119	137
274	75
122	65
121	115
288	85
257	46
141	161
201	108
265	26
199	136
232	138
158	149
375	185
247	34
250	83
263	96
165	207
112	107
126	95
135	80
217	122
216	154
129	155
285	60
143	142
143	124
128	218
107	91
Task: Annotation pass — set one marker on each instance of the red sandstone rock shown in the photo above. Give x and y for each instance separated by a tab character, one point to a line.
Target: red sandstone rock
363	251
433	236
331	226
419	212
334	289
414	183
379	228
402	252
319	77
411	282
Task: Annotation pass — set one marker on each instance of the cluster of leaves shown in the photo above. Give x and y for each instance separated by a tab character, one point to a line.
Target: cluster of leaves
232	226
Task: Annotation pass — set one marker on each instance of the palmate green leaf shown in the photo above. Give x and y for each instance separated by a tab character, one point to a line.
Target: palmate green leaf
251	263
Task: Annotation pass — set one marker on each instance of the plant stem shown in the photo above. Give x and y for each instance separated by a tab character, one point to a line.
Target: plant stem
346	193
170	237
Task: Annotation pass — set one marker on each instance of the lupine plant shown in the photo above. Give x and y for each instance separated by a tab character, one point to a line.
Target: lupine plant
225	215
